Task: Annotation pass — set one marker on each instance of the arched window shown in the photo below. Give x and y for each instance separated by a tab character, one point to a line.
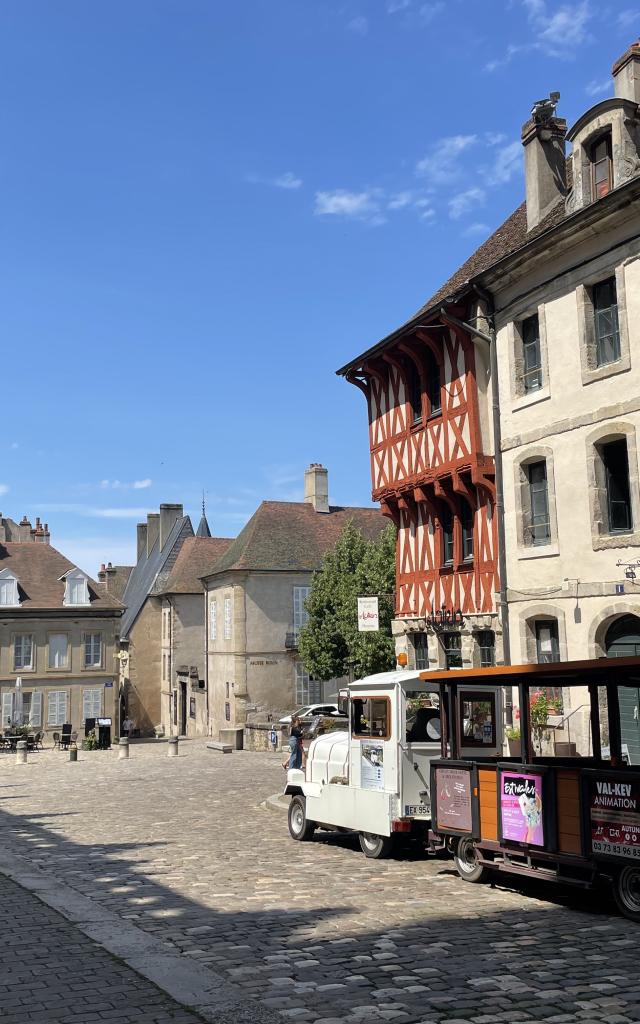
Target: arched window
601	167
433	384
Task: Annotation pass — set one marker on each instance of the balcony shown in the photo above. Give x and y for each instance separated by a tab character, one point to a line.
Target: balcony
291	640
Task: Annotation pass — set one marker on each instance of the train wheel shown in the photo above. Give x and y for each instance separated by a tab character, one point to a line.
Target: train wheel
299	827
467	863
375	847
626	890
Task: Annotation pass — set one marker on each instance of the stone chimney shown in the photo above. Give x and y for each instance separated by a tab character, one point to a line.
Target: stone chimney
545	169
141	536
106	576
316	487
626	74
153	530
24	530
168	516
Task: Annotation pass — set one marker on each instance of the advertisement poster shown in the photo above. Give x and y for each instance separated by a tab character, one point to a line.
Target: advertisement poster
453	799
368	617
614	810
521	808
372	765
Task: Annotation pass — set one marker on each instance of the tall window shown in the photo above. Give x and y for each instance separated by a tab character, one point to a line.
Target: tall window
57	707
58	650
23	651
308	690
415	393
532	360
601	167
466	520
421	649
616	470
433	384
300	613
227	618
538	528
92	703
605	315
452	646
93	650
213	619
447	537
547	647
487	648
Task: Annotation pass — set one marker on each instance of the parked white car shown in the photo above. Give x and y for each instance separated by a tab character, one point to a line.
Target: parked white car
311	710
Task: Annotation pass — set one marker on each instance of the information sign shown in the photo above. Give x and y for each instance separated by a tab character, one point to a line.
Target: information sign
453	799
614	815
372	766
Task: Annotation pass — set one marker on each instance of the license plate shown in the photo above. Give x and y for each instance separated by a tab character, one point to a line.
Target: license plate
416	810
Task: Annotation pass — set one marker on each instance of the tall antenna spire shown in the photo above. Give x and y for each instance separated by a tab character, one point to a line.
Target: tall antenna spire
203	510
203	529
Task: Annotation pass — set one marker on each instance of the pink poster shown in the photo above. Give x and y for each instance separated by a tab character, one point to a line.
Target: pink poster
521	808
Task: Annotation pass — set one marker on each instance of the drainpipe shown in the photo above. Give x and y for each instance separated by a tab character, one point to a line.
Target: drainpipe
490	339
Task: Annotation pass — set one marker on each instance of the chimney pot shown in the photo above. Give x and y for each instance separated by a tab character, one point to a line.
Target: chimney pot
545	172
626	74
316	487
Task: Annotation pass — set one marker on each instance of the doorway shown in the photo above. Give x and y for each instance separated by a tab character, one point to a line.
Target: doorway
623	641
183	709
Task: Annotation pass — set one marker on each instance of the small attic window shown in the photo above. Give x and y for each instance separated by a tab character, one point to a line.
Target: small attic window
76	588
601	167
9	596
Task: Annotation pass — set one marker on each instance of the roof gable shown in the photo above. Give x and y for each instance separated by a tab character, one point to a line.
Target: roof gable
195	557
41	570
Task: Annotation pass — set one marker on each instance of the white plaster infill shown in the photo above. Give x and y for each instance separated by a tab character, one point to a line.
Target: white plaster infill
190	984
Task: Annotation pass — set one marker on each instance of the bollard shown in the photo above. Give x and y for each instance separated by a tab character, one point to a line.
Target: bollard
21	752
173	746
73	753
123	748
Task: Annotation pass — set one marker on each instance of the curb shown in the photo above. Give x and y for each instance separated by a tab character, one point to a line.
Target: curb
278	802
191	985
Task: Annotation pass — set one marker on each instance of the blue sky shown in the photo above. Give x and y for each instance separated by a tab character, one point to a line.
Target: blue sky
208	207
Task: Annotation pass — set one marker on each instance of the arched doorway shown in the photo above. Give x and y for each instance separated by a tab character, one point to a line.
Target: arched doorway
623	641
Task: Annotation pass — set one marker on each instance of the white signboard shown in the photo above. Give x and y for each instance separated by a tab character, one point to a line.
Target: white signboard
368	618
372	766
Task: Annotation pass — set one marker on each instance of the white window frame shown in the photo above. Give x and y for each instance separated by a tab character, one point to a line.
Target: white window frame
57	707
228	631
18	643
9	596
34	704
88	641
92	702
300	613
303	686
213	619
76	591
64	663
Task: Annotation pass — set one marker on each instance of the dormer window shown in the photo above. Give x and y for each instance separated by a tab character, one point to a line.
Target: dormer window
76	587
601	167
9	596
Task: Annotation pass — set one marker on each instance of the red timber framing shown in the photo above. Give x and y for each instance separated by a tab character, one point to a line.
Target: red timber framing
429	471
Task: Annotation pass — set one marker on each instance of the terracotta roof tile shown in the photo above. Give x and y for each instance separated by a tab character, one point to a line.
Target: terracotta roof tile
38	568
287	535
196	556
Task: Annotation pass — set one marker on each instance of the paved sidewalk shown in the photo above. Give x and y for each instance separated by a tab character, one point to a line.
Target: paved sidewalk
50	972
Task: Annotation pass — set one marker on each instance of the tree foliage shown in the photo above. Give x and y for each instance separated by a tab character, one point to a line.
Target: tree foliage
330	644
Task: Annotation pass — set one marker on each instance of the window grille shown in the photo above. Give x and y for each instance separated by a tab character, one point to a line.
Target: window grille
487	648
421	648
532	359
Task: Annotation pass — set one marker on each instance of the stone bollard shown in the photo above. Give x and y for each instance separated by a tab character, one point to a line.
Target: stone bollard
73	753
21	752
123	748
172	746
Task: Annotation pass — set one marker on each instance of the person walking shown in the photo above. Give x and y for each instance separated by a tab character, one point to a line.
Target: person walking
296	750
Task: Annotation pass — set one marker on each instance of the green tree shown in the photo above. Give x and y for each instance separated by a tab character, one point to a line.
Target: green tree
330	644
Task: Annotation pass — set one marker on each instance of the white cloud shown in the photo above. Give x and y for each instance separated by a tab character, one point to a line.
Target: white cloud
508	161
628	17
141	485
119	485
477	228
554	33
465	201
400	200
354	205
4	488
359	25
595	88
494	138
442	164
287	180
393	6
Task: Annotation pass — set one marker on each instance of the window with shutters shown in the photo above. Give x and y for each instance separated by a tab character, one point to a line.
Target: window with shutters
535	503
92	702
93	650
227	618
23	655
32	708
58	650
57	707
300	613
213	619
9	589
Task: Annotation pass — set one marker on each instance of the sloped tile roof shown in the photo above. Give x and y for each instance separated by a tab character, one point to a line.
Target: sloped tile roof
151	573
119	580
38	568
196	556
289	535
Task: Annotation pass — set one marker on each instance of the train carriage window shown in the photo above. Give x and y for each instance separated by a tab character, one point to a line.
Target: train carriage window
478	717
370	716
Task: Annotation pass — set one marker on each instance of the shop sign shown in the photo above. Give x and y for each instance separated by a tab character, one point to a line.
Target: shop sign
453	799
368	615
445	618
521	808
614	816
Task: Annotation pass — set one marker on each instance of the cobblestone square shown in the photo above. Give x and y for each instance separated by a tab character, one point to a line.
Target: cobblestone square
313	932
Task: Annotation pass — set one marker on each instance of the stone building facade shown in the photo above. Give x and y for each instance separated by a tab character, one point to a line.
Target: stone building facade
58	633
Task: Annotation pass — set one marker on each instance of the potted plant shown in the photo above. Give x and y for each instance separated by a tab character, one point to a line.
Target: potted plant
514	740
90	742
540	707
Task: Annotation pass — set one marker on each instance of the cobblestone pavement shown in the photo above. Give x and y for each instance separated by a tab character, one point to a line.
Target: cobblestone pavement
49	972
313	930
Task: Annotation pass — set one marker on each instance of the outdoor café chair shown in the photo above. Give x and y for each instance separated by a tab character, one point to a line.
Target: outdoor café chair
37	741
56	741
65	739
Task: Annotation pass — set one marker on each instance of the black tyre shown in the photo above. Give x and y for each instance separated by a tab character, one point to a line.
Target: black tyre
626	890
299	827
375	847
467	864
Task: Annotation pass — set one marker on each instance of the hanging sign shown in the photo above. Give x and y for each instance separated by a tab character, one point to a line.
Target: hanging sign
614	815
368	616
442	618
